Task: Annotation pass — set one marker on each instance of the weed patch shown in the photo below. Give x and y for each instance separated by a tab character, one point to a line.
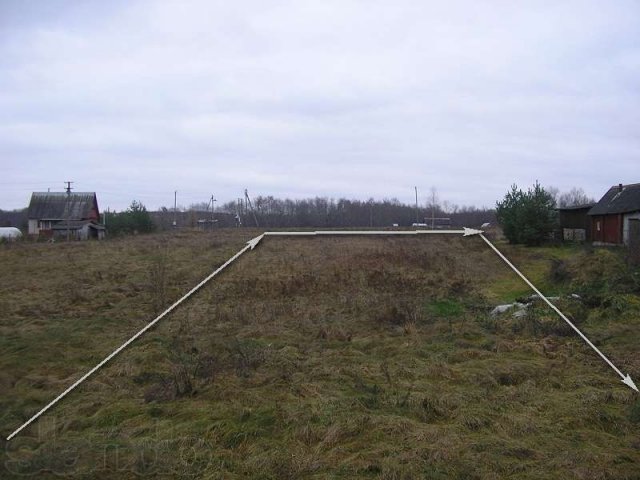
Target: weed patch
341	358
445	308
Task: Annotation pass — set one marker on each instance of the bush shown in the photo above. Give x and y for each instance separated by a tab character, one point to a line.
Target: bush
135	219
527	217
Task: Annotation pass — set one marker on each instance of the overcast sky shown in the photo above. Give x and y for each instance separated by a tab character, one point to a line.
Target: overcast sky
356	99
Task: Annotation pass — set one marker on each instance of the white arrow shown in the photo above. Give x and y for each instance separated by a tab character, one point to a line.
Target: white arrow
251	244
465	232
254	242
471	231
625	379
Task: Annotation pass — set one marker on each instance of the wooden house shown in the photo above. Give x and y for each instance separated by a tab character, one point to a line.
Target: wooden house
613	217
61	214
575	223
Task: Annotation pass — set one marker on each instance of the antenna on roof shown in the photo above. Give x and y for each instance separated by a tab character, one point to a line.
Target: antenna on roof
69	187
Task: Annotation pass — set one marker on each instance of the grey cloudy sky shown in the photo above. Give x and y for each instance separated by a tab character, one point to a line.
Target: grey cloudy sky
136	99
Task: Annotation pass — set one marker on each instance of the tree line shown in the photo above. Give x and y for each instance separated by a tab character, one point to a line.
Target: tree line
323	212
526	216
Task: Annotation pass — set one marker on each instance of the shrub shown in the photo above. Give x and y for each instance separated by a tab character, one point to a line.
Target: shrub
527	217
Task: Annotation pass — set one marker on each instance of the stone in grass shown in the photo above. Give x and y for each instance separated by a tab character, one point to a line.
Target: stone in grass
520	313
505	308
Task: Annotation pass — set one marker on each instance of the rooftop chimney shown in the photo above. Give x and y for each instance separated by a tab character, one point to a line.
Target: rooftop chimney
620	187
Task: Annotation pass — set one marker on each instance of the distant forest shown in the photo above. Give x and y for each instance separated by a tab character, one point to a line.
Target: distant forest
322	212
316	212
14	218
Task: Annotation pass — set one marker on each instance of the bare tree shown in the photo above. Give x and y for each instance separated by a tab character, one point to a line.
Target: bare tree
329	212
573	198
449	208
553	191
199	206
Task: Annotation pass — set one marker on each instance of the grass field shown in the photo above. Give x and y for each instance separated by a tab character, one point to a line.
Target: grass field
316	358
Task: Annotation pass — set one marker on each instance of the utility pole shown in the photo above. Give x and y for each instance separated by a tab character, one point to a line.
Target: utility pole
250	205
239	212
416	188
175	208
213	205
68	208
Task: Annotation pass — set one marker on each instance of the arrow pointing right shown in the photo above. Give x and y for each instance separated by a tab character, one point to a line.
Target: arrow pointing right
465	233
627	381
253	243
250	246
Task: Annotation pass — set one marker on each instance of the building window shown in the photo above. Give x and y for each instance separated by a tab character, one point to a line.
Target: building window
598	225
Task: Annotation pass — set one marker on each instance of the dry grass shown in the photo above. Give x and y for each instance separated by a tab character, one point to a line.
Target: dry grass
308	358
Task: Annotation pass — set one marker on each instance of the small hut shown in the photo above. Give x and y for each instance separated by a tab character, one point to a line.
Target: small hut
613	216
68	215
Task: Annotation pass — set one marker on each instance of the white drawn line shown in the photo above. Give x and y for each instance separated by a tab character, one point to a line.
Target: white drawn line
250	245
255	241
625	379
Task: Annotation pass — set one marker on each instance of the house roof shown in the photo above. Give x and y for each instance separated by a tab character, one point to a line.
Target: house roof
618	200
586	206
60	205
